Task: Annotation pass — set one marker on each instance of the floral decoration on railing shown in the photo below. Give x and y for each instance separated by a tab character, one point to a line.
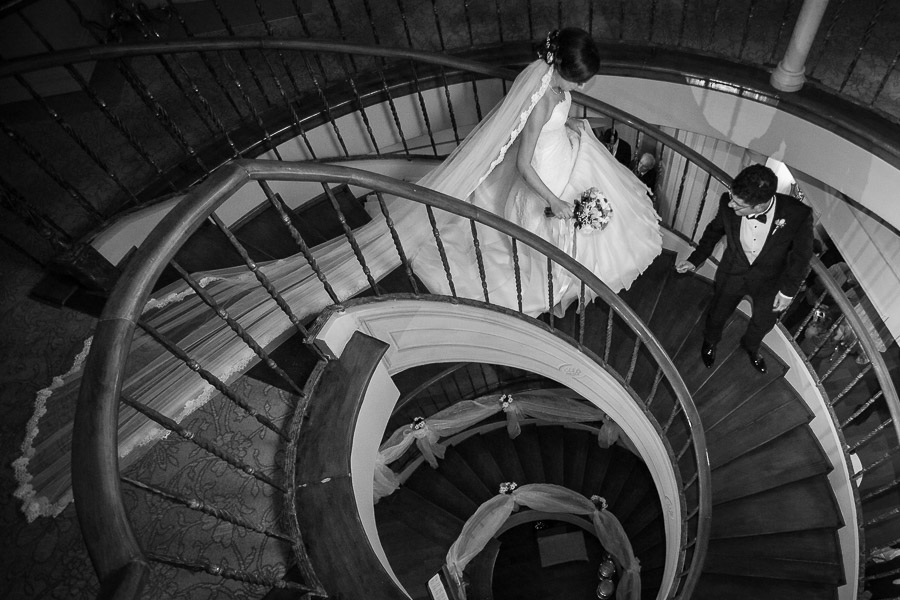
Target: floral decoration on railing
487	520
549	406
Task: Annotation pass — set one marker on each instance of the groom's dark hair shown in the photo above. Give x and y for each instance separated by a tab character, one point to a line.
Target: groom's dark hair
755	185
578	58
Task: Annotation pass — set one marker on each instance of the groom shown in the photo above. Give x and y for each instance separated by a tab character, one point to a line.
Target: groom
768	245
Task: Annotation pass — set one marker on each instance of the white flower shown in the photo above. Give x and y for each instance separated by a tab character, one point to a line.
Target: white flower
505	401
418	423
507	487
779	223
599	502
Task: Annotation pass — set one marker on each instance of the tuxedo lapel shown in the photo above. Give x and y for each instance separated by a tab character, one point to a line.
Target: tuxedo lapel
733	228
778	216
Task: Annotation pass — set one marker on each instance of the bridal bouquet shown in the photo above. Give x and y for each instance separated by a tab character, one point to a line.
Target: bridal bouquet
592	211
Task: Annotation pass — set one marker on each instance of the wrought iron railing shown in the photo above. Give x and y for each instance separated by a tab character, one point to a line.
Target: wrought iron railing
98	495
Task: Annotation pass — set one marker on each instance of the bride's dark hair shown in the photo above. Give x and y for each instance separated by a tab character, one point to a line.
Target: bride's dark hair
573	52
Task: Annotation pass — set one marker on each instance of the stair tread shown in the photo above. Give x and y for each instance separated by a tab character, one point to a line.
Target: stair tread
715	587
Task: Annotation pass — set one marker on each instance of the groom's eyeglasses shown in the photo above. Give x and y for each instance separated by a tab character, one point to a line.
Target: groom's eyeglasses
737	202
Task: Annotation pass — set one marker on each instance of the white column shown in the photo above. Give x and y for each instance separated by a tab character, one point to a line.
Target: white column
788	76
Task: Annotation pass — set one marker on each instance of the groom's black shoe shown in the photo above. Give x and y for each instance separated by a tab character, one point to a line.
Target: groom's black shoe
756	359
708	353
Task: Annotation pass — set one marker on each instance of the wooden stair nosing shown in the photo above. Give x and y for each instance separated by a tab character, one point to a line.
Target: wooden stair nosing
791	456
804	504
713	586
577	443
434	487
456	469
551	442
506	456
475	450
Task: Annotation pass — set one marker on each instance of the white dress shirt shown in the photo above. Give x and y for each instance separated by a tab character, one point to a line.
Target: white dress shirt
754	232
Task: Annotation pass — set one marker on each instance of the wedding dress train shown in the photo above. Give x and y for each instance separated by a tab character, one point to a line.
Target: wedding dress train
481	170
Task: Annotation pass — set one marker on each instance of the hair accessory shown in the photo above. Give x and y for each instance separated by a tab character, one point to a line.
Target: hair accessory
551	46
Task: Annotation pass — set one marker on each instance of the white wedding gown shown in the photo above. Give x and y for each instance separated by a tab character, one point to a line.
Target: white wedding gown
482	171
569	159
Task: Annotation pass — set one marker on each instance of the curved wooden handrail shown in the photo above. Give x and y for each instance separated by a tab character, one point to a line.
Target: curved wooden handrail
882	374
98	502
114	51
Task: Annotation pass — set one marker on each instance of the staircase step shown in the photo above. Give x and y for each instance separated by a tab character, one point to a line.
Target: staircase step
458	472
762	418
577	446
812	555
505	455
620	469
790	457
529	451
718	587
646	291
598	463
804	504
553	453
294	357
479	454
430	484
679	310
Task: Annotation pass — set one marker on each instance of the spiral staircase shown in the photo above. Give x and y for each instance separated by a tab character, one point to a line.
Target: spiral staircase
774	521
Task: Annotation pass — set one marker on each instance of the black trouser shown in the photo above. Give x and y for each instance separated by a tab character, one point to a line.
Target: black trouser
728	294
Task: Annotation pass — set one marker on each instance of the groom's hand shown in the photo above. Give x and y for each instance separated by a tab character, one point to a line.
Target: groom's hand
685	267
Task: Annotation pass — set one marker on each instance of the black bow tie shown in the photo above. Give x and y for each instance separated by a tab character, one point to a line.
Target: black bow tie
761	218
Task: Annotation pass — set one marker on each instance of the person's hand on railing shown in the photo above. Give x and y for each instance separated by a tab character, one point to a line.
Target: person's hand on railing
685	267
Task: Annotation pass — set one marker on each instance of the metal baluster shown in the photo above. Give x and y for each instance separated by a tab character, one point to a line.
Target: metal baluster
651	26
242	53
143	93
203	57
284	63
746	34
479	259
590	18
881	490
675	410
811	314
198	440
290	105
836	363
453	124
207	376
582	316
394	236
827	336
884	80
44	164
680	196
405	23
811	65
656	381
348	233
305	26
199	505
58	238
340	27
146	29
360	106
423	108
889	455
500	20
609	329
867	34
634	357
529	9
440	247
468	19
852	383
682	24
278	204
227	573
325	105
862	408
253	111
868	438
517	271
70	131
702	205
237	328
261	277
392	105
715	24
100	104
550	290
437	24
559	14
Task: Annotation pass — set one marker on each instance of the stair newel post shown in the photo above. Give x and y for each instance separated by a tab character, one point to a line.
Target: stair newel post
789	75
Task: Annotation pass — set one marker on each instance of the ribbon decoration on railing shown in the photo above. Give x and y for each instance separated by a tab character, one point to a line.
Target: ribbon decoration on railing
545	405
490	517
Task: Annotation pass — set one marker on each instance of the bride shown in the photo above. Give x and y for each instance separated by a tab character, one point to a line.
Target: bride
536	171
525	157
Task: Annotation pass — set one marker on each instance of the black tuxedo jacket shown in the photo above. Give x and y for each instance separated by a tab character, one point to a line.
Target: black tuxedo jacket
623	153
782	263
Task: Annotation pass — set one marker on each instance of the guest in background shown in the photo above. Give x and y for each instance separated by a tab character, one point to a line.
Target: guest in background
618	148
646	171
